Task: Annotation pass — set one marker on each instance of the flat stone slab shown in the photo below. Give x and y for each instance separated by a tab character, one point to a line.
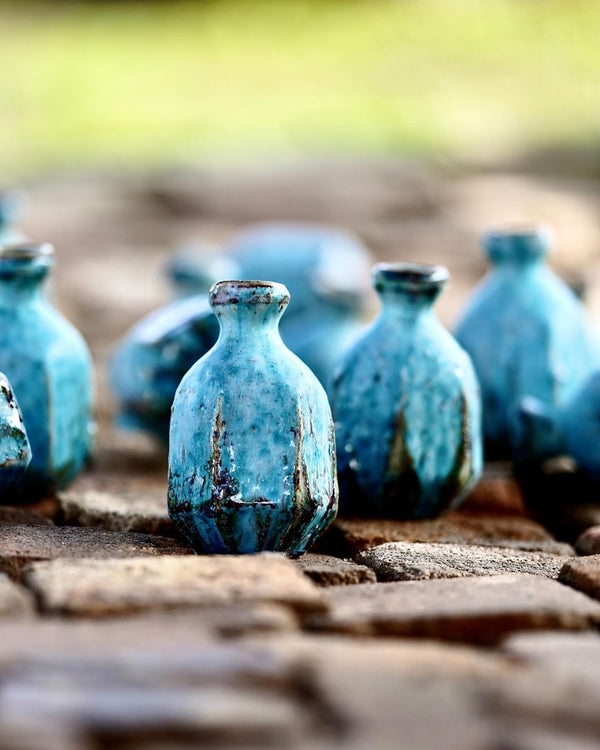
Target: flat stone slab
139	511
350	536
482	609
497	492
583	573
20	545
15	515
589	542
120	586
179	694
402	561
326	570
571	654
14	599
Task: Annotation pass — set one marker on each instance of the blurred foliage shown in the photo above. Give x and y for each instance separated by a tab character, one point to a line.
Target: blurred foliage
138	82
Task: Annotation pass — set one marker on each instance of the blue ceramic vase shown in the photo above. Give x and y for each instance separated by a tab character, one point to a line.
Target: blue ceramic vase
194	267
406	405
15	451
48	365
527	335
327	307
153	357
570	429
251	452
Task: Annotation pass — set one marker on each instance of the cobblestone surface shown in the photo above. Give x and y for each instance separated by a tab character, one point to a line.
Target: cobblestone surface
112	635
480	609
20	545
401	561
119	586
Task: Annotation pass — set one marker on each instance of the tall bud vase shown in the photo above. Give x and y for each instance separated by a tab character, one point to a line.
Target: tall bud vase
406	405
251	450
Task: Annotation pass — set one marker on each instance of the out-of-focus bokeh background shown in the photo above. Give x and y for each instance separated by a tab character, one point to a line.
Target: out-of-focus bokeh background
416	123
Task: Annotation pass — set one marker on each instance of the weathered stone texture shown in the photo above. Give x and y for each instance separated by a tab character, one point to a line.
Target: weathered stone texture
349	536
497	492
140	511
20	545
16	515
119	586
326	570
480	609
583	573
14	599
400	561
589	542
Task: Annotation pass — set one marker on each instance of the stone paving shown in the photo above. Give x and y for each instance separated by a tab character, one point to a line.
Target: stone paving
475	631
479	631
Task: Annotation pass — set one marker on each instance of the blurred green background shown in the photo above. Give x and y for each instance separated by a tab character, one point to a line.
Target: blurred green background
136	83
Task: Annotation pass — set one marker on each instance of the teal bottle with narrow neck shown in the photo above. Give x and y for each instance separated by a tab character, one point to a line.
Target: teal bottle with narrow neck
406	405
251	450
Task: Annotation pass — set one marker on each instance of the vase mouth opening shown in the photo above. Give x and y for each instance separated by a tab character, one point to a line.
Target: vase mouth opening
414	278
249	293
26	251
518	243
26	259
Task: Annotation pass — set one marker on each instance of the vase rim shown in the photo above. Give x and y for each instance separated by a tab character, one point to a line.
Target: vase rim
26	251
519	243
413	276
245	291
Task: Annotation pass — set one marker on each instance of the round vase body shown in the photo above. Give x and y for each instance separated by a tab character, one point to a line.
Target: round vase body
251	450
406	406
326	309
571	429
527	335
15	451
153	357
49	367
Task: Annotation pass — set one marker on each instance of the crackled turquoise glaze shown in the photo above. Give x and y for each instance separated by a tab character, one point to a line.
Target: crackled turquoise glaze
406	405
570	429
251	453
48	365
15	451
527	335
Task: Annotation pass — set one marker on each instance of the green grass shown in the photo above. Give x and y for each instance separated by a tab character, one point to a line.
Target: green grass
152	83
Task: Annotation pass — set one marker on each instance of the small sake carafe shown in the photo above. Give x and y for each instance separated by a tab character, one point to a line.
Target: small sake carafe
49	367
527	334
251	450
406	405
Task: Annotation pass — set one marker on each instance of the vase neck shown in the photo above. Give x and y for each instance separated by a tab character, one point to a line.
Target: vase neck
248	309
408	290
23	271
519	249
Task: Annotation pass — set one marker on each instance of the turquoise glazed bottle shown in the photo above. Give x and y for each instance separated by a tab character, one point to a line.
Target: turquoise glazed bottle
154	355
406	405
569	429
527	335
15	451
251	452
150	361
48	365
